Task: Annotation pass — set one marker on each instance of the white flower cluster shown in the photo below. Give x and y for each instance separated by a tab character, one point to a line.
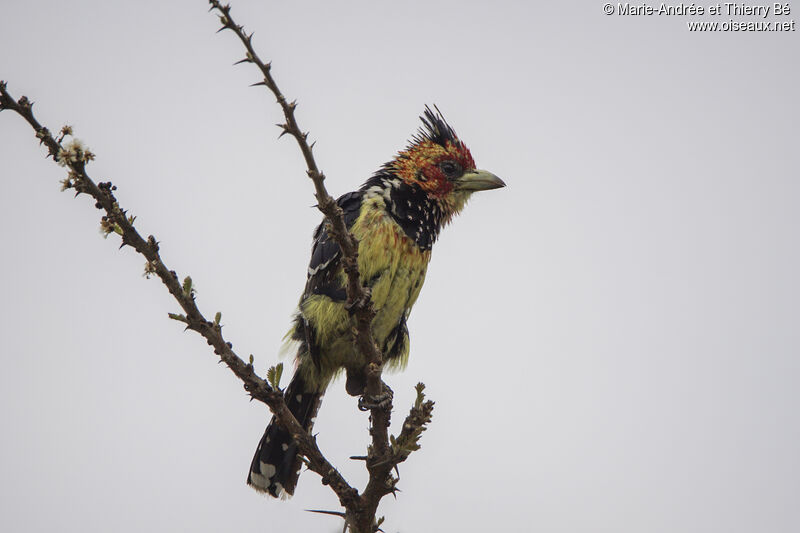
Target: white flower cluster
72	152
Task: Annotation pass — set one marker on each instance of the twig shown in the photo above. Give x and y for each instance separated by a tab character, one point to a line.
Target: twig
415	423
75	157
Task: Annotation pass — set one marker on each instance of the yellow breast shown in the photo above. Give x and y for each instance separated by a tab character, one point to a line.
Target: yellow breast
391	265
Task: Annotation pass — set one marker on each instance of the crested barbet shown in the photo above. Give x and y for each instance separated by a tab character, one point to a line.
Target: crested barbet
396	217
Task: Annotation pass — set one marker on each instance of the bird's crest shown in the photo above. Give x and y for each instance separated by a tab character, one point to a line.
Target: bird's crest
435	129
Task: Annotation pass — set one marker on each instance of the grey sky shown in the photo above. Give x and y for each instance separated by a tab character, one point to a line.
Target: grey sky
611	341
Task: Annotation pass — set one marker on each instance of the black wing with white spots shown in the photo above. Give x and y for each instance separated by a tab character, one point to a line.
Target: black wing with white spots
325	253
323	273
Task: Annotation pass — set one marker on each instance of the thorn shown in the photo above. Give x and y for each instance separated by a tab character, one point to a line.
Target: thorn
250	37
245	60
259	83
332	513
222	29
359	457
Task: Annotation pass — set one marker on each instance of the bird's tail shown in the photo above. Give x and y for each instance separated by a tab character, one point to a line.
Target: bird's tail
276	465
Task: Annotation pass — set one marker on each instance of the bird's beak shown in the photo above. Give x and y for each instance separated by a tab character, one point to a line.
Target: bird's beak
478	180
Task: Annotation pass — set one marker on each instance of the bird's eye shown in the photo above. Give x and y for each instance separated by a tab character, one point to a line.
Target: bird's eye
451	169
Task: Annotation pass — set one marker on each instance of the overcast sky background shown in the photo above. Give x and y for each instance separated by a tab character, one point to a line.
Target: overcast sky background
612	341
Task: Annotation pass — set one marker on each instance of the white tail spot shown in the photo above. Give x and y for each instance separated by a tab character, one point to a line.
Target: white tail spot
267	470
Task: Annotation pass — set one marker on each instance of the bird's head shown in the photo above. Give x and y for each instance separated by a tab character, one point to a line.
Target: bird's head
438	163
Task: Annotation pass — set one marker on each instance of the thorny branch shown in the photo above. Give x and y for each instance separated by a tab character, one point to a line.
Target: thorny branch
75	157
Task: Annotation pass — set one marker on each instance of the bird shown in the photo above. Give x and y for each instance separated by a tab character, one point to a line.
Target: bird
396	216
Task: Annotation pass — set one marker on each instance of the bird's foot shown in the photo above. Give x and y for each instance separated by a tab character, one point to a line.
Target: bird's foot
381	401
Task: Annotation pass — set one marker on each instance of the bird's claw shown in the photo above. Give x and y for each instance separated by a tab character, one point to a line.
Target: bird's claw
381	401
